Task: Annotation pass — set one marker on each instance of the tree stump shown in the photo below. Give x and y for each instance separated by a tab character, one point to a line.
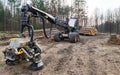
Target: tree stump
114	39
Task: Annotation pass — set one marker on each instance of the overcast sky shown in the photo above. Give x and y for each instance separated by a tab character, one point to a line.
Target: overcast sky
103	5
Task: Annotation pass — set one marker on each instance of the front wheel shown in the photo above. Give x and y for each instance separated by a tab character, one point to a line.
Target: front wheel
73	37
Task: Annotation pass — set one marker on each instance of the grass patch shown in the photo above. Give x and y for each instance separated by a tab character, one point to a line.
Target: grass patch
8	32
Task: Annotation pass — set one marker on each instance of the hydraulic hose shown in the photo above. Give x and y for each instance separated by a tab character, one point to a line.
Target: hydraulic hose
47	35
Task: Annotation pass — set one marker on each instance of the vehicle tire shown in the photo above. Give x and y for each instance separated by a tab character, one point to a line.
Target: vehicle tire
73	37
58	37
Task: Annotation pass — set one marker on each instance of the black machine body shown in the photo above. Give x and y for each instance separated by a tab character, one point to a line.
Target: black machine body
70	26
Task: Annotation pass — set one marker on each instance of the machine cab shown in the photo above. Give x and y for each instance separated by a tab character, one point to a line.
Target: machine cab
72	22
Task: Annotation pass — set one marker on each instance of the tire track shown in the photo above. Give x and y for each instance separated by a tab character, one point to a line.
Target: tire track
63	62
92	65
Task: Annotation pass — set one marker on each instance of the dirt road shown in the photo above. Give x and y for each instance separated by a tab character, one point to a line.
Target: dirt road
91	56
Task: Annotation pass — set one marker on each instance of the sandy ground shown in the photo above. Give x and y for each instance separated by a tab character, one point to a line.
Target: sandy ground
91	56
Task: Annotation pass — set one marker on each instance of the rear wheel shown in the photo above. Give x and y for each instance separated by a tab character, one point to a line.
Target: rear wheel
73	37
58	37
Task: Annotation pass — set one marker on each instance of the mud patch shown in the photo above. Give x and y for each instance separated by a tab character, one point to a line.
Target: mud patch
66	51
79	63
62	64
92	67
48	60
22	74
72	73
